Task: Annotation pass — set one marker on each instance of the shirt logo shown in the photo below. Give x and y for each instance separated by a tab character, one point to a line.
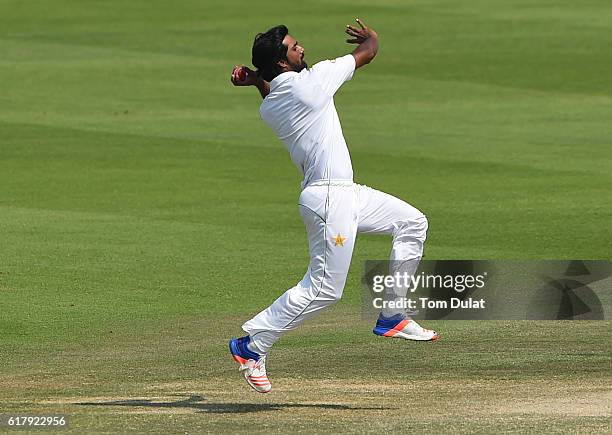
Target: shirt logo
339	240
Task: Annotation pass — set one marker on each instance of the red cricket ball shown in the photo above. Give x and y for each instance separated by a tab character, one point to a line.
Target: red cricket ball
242	74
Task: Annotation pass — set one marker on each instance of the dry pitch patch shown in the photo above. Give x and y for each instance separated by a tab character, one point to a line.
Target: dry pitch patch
485	398
162	380
375	404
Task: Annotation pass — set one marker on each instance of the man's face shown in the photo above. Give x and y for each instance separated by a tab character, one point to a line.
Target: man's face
295	54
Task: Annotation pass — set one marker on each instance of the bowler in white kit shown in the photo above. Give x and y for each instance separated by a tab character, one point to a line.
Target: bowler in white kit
298	105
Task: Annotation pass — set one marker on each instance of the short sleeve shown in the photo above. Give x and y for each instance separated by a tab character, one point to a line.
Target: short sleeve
331	74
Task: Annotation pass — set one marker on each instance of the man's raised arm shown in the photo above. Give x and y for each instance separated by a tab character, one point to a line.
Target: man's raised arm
367	40
243	76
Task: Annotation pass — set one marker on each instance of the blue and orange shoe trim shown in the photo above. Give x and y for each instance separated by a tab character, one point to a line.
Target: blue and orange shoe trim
240	351
389	326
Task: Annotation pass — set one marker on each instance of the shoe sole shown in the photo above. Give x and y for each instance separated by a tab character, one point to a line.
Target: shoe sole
400	334
256	387
415	337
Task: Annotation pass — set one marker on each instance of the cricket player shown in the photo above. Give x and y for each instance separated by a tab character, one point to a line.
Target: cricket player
298	105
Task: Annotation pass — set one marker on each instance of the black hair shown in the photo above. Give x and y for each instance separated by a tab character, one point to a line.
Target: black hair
268	50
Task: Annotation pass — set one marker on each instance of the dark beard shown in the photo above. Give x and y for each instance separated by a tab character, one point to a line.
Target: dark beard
297	67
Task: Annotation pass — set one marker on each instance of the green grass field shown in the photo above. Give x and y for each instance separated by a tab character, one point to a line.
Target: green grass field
146	212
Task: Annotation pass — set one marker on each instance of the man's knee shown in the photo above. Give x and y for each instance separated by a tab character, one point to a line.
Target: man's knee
331	295
414	226
332	298
327	289
422	226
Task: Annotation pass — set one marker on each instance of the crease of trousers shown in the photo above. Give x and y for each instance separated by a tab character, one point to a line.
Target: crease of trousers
334	212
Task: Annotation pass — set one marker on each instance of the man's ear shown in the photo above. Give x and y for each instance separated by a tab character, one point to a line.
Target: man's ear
283	64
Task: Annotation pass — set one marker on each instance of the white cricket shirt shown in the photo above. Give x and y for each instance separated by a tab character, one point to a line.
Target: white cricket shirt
300	110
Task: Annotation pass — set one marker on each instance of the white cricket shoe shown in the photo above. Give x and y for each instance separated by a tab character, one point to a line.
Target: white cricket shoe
252	364
400	327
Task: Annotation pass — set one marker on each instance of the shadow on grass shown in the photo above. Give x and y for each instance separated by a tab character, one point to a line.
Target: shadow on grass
199	403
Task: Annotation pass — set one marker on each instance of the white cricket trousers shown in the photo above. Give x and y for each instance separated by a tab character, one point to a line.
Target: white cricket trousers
334	212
